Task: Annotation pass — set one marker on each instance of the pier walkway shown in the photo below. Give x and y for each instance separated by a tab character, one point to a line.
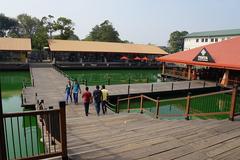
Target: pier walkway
50	86
135	136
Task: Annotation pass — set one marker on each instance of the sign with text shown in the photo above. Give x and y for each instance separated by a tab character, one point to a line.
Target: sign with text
204	56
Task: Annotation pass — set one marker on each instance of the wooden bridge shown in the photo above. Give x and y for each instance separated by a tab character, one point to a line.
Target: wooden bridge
49	85
135	136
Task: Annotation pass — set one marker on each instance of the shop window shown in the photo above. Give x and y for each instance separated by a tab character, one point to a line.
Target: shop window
197	40
216	39
212	39
206	40
202	39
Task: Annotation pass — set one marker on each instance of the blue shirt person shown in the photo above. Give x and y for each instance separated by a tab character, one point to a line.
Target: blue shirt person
76	90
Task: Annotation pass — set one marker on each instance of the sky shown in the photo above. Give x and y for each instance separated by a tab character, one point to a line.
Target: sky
138	21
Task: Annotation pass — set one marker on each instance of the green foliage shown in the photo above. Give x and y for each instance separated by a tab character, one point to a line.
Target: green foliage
6	24
65	27
105	32
39	39
176	41
27	25
48	22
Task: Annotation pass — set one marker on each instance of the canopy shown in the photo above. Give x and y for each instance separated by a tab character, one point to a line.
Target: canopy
145	58
224	54
137	58
124	58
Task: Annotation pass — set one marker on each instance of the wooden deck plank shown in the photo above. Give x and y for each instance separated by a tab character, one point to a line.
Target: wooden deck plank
135	136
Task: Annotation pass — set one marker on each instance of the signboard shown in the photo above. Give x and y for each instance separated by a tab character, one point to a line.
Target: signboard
204	56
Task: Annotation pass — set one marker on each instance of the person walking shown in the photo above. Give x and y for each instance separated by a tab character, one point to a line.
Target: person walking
68	91
87	98
104	99
76	90
97	95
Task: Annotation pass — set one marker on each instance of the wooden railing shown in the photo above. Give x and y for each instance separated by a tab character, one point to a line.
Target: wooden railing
34	135
217	103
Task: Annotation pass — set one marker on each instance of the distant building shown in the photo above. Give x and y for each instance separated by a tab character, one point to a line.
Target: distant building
103	54
14	50
198	39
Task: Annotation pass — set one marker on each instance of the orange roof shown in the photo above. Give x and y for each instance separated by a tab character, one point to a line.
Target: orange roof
225	54
107	47
15	44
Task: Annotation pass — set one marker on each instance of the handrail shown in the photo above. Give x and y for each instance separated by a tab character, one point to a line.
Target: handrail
190	109
149	98
29	113
52	125
109	106
129	98
211	94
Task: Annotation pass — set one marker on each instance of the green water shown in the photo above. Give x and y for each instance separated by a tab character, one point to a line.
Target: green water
175	109
26	128
122	76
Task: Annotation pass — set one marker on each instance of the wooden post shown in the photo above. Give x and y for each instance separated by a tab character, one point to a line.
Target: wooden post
128	89
3	154
63	133
22	98
141	105
33	82
128	104
157	107
117	106
172	86
35	97
233	103
188	105
189	72
163	67
204	84
152	87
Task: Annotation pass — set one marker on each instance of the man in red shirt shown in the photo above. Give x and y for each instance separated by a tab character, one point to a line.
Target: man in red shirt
87	99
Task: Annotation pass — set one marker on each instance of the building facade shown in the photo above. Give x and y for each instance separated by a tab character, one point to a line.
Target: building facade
198	39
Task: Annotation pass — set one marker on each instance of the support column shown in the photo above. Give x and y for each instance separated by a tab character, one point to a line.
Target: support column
189	67
225	78
163	67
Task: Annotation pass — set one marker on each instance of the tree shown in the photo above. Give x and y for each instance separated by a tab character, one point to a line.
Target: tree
176	41
27	25
39	39
48	24
6	24
104	32
65	27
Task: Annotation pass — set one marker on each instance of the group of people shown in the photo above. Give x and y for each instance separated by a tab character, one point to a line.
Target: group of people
99	96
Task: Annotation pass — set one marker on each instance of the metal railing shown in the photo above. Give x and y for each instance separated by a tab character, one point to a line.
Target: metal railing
35	134
213	104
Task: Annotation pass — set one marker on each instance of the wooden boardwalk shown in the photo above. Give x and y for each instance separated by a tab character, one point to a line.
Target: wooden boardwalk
50	86
135	136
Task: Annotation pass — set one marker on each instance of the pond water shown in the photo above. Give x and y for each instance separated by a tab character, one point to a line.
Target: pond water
22	134
119	76
175	108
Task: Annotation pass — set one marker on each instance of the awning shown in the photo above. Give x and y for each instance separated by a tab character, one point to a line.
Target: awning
225	54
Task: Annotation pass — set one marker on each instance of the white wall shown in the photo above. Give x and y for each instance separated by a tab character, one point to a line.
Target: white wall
190	43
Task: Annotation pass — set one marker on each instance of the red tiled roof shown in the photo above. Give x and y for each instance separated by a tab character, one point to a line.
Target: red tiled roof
226	54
